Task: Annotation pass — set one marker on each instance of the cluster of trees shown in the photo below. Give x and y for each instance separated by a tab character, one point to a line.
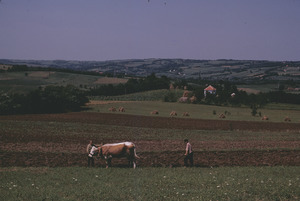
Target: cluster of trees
51	99
228	94
224	96
133	85
24	68
57	99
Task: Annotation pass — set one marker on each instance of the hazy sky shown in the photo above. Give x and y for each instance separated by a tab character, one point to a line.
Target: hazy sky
139	29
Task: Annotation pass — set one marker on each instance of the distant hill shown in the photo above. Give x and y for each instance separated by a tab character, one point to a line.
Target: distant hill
231	70
30	80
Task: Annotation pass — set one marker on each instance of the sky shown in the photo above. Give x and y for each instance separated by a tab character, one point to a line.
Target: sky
99	30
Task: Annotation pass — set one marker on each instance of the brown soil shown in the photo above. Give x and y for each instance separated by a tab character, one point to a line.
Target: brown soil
159	122
55	152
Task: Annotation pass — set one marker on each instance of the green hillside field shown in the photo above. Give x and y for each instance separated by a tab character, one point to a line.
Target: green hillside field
275	112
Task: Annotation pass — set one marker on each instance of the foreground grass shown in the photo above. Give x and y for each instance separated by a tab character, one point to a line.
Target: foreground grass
228	183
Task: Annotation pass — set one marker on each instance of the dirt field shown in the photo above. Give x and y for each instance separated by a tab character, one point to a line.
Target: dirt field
63	151
159	122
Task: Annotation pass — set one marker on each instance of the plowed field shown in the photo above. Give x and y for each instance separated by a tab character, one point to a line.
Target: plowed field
40	149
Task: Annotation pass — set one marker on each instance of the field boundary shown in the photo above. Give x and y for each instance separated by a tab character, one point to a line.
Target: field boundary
157	122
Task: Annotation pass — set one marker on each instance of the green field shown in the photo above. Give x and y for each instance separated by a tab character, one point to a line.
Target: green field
20	82
228	183
276	113
154	95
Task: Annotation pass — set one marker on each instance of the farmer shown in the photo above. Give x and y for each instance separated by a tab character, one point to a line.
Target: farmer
188	154
90	156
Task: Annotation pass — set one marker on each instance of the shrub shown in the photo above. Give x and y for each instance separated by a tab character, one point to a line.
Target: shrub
170	97
51	99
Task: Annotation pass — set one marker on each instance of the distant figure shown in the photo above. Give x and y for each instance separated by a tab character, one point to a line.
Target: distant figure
189	155
90	156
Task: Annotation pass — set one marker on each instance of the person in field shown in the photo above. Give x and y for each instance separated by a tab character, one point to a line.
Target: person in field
89	149
189	155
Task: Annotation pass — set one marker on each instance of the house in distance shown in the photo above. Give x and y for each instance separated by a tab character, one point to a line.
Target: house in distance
210	89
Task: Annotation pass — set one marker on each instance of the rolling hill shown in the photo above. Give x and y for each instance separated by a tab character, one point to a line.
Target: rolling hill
232	70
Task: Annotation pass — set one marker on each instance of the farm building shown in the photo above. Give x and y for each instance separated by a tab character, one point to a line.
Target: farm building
210	89
5	67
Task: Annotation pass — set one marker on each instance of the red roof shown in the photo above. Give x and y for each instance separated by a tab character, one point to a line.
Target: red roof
210	88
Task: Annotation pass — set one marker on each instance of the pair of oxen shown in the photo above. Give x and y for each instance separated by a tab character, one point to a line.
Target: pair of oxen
116	150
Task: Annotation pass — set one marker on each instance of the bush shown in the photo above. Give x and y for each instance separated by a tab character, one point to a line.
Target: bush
170	97
254	110
51	99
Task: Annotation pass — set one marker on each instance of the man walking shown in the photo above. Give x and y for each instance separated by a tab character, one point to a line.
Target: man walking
189	155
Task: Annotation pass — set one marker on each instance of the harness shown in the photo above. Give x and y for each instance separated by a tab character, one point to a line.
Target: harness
101	152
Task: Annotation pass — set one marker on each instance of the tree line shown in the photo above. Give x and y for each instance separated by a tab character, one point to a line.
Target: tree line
133	85
24	68
58	99
51	99
227	93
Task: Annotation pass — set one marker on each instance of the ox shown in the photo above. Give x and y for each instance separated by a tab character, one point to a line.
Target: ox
118	150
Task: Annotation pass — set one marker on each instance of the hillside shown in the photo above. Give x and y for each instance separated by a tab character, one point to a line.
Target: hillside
232	70
31	80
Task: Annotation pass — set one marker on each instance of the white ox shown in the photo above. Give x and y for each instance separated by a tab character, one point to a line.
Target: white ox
118	150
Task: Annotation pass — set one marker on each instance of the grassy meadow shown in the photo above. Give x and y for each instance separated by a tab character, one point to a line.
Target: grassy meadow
275	112
226	183
20	82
